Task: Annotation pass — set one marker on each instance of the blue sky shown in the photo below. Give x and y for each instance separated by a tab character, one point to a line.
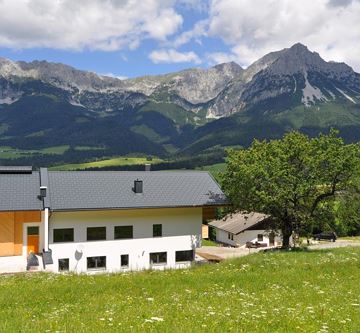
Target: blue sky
129	38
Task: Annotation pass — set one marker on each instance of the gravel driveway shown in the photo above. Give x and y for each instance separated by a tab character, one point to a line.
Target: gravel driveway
224	252
331	245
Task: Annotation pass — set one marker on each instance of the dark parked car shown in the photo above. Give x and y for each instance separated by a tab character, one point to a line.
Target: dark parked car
326	235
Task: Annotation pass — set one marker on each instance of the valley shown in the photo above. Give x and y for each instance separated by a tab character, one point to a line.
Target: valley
52	114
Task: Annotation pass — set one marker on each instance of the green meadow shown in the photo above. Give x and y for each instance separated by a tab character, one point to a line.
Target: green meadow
117	161
307	291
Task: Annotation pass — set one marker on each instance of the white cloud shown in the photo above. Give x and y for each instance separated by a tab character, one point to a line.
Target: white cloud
252	28
106	25
115	76
173	56
196	33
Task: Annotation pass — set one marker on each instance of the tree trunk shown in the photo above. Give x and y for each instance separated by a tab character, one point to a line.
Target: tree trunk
286	231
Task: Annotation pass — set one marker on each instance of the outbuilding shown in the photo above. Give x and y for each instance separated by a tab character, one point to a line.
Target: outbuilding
240	229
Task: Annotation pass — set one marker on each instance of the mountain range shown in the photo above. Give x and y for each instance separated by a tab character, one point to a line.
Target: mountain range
195	111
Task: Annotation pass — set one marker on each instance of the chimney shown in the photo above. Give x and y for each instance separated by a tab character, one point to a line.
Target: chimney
147	167
138	186
43	190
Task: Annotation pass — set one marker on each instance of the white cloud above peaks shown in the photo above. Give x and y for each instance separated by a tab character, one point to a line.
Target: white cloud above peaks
105	25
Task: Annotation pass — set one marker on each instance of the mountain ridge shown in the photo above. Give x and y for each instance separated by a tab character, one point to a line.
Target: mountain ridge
182	113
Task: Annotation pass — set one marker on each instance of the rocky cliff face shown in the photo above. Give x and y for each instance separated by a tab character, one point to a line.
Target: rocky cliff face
294	74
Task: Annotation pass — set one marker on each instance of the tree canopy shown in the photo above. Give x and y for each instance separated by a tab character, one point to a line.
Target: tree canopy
294	179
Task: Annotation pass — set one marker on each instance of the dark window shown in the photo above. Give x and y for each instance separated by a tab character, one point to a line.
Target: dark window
96	262
63	235
158	258
32	231
124	232
63	265
96	233
157	230
124	260
184	255
230	236
260	237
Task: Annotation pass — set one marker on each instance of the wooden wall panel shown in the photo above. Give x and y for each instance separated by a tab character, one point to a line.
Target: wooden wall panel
209	213
28	216
21	218
7	233
11	230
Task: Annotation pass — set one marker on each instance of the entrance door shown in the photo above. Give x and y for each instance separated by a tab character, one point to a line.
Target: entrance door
271	239
33	239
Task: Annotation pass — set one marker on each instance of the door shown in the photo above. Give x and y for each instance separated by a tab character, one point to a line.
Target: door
33	239
271	239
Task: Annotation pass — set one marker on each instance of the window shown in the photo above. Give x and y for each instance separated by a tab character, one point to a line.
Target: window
123	232
32	231
158	258
184	255
230	236
157	230
63	235
64	265
96	262
124	260
96	233
260	237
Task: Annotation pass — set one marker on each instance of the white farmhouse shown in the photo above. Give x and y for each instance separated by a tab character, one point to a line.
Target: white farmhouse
240	228
103	220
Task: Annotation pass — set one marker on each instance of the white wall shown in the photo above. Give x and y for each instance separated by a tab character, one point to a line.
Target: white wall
246	236
181	230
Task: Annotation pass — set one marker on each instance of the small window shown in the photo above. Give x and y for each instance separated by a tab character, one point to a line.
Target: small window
123	232
124	260
64	265
63	235
184	255
96	262
96	233
32	231
157	230
158	258
260	237
230	236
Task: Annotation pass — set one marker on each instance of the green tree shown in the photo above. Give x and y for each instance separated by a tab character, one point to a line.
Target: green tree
294	179
348	210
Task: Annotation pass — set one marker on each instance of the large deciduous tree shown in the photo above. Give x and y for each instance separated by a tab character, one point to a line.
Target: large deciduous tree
295	179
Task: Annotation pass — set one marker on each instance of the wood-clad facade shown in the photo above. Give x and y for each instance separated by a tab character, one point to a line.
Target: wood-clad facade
11	230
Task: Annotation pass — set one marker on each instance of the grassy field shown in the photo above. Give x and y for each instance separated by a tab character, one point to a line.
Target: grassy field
208	242
214	169
13	153
271	292
106	163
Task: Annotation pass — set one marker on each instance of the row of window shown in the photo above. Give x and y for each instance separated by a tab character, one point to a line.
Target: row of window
99	233
155	258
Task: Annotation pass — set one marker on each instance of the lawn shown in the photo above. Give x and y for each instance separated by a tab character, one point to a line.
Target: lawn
271	292
106	163
208	242
214	169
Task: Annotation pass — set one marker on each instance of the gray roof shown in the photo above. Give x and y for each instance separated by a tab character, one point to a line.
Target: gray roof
15	169
238	222
76	190
20	191
71	190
